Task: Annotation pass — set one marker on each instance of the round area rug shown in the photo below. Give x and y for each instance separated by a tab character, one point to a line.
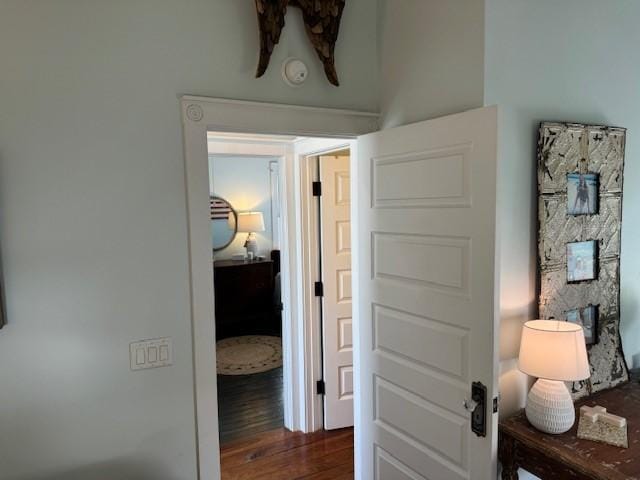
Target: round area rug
248	354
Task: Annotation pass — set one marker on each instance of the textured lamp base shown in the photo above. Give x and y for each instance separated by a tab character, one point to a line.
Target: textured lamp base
550	407
251	245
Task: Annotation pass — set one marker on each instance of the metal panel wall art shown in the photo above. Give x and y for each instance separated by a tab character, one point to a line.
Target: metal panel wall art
580	176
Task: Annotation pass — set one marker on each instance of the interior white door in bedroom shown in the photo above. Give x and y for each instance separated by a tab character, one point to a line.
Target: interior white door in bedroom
426	298
335	210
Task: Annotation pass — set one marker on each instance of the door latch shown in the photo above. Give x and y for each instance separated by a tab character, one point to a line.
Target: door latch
477	406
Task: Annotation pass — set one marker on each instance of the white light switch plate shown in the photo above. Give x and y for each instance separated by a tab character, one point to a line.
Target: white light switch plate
154	353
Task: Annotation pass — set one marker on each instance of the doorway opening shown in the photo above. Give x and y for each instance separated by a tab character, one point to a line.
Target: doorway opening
245	232
323	129
275	238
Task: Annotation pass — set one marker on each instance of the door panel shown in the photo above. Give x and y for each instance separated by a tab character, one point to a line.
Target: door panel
427	288
335	208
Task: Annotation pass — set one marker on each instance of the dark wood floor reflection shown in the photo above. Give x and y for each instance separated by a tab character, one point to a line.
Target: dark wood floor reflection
283	455
249	404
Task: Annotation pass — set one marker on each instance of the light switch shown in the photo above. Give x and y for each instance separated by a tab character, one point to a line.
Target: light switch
164	353
140	356
157	352
153	354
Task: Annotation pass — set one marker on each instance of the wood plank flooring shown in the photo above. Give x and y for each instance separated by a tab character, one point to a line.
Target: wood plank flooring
283	455
249	404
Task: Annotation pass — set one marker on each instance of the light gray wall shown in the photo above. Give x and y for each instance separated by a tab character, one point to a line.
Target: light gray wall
573	60
431	58
93	222
245	182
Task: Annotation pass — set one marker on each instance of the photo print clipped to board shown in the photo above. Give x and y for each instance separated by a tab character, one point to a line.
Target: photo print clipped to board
582	261
582	194
580	180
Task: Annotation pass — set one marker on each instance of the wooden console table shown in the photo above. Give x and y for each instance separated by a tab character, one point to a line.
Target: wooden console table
568	457
244	297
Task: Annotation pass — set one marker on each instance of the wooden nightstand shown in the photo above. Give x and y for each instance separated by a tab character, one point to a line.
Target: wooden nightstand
244	298
568	457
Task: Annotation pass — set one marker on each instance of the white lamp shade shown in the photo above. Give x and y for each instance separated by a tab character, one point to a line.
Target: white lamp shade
250	222
554	350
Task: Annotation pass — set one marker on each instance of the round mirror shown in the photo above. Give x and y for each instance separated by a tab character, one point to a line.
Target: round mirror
223	223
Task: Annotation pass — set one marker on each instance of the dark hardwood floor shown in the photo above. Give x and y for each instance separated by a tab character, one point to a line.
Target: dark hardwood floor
283	455
249	404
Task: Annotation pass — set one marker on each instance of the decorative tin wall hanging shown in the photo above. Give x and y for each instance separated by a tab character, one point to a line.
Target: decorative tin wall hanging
580	177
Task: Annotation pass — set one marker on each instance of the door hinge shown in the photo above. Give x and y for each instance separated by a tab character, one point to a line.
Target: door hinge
319	289
496	403
317	189
320	387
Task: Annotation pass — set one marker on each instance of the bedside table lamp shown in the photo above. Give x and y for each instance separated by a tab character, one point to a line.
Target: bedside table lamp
554	352
251	222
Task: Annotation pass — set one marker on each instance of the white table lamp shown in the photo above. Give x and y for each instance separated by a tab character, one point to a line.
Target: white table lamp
251	222
554	352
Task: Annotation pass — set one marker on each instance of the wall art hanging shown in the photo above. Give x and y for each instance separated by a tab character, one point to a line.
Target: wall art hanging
322	23
580	177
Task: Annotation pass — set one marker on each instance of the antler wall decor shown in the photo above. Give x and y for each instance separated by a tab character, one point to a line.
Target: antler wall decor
321	20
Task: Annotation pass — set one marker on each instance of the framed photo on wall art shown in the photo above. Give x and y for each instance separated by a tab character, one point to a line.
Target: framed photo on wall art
582	261
582	193
587	318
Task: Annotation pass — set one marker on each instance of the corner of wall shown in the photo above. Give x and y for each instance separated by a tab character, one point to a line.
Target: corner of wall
516	210
431	59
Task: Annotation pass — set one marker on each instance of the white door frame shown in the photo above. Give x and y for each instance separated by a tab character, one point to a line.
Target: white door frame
200	115
337	318
307	153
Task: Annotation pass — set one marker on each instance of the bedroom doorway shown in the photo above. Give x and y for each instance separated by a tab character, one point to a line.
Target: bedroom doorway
264	202
318	131
245	231
273	238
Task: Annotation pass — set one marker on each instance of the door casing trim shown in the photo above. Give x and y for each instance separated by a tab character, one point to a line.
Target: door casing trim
307	162
200	115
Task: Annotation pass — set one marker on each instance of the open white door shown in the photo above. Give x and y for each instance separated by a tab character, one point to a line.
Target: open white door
426	290
335	206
